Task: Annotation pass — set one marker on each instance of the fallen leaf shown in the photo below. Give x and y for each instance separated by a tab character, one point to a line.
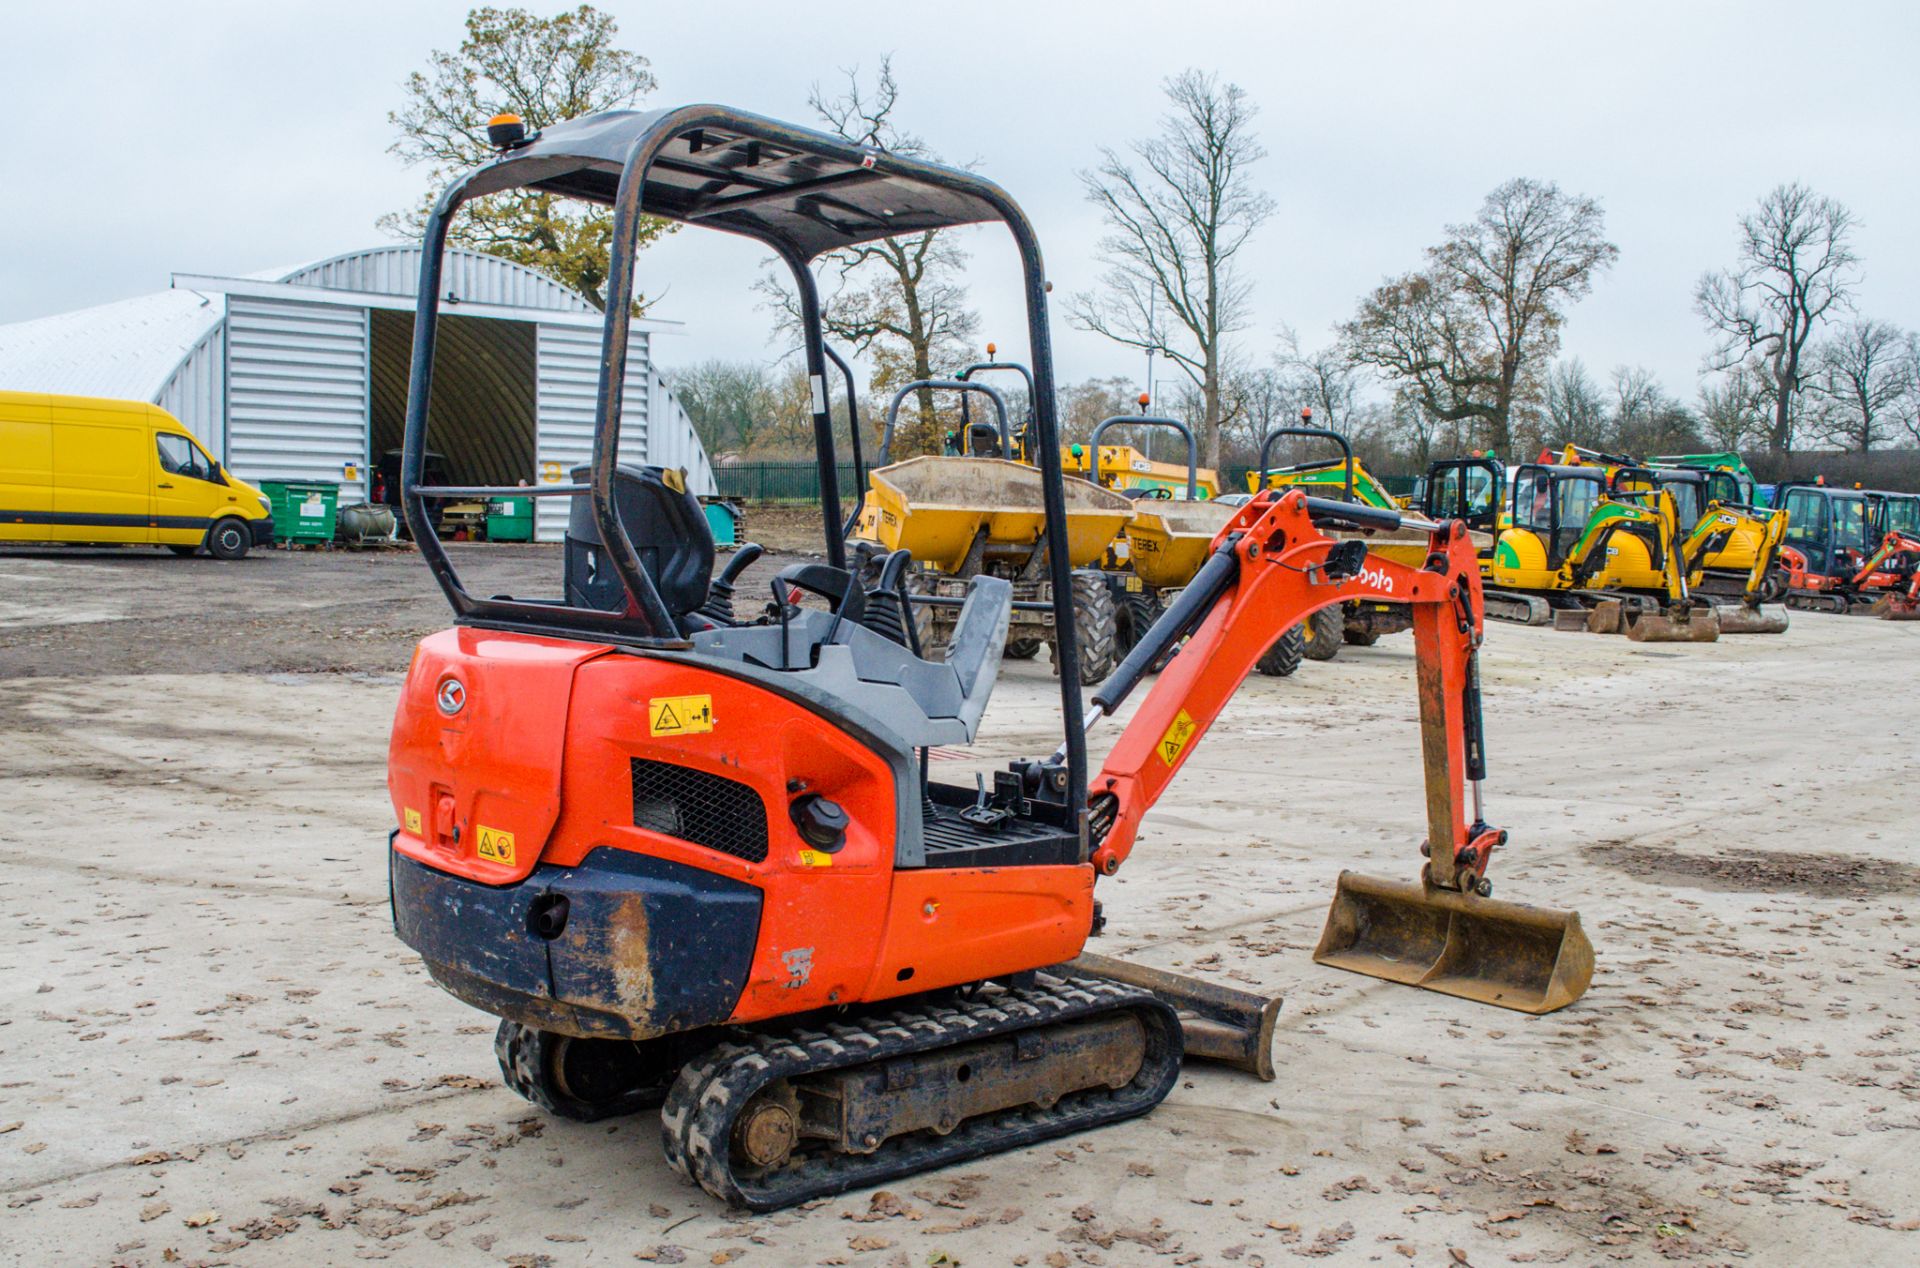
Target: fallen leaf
203	1219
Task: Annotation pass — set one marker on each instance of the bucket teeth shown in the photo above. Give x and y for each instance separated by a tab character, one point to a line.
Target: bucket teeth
1530	959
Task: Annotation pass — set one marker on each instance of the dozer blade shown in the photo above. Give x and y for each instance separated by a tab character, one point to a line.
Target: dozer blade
1683	625
1738	618
1572	620
1219	1023
1530	959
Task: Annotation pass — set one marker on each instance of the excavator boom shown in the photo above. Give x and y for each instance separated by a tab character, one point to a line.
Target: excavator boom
1273	566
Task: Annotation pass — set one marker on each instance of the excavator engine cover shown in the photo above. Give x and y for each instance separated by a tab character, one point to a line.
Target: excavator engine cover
1530	959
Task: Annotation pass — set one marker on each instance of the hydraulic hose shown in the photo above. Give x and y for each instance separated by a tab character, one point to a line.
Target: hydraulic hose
1178	621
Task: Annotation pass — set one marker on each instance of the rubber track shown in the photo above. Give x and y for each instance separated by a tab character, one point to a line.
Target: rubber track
697	1120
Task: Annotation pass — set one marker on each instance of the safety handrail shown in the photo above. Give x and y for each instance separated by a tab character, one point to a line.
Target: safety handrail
946	385
1322	433
1151	420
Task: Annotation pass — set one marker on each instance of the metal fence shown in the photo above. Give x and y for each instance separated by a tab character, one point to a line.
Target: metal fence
777	481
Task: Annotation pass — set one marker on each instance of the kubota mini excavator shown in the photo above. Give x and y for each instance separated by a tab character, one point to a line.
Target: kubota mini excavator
700	862
1851	551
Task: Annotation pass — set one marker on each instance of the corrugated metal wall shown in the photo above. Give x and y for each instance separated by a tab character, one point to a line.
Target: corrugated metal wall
196	393
671	439
466	275
297	391
569	386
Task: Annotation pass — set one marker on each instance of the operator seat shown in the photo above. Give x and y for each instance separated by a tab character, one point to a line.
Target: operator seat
670	534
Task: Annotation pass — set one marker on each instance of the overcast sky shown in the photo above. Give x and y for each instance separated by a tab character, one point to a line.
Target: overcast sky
152	138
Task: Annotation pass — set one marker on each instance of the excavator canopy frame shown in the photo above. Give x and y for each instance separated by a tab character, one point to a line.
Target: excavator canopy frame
800	192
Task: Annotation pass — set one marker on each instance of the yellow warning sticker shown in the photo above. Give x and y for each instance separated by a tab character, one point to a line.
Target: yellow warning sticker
815	858
1177	736
680	715
495	846
413	821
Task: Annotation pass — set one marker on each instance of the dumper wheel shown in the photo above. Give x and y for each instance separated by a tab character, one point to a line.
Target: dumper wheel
582	1079
1095	627
924	630
1284	656
1324	631
1134	615
1361	636
1024	648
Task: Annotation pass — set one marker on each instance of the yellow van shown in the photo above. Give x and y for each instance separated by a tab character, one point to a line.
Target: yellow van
85	471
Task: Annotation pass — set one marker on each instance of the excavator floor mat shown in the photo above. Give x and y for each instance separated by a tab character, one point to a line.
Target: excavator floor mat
1738	618
1698	625
1218	1022
1530	959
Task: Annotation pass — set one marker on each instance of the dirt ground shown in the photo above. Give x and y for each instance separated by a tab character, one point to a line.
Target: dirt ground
213	1049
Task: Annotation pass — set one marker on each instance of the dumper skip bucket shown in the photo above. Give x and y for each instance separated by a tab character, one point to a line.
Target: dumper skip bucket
1530	959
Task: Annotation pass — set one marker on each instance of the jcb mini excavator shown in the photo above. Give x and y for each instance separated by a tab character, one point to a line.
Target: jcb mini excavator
699	862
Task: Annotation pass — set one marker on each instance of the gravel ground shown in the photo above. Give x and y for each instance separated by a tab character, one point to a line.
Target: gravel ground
213	1050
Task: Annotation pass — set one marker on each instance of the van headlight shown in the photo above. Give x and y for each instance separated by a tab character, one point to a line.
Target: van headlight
266	505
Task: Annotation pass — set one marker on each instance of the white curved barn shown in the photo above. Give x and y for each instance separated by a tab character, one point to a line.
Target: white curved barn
301	373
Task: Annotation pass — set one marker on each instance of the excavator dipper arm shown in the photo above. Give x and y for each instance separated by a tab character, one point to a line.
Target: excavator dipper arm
1271	568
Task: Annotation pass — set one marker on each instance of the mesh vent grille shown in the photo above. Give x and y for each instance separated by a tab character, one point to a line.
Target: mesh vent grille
704	809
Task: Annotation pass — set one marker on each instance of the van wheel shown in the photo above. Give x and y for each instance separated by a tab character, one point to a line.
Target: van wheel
185	552
229	539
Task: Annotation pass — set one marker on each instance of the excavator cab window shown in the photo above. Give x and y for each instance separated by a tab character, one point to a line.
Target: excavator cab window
1726	488
1689	501
1849	523
1574	500
1466	489
1898	515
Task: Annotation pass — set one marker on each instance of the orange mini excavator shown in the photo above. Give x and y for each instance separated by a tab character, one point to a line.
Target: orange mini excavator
697	861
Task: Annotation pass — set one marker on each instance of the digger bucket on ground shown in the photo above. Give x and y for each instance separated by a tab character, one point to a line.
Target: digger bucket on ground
1530	959
1766	618
1894	607
1219	1023
1699	624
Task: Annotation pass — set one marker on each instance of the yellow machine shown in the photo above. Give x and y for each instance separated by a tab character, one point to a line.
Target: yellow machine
1586	556
963	516
1345	479
1729	548
85	471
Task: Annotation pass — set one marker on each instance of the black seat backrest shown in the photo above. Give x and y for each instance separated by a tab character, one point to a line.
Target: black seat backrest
668	528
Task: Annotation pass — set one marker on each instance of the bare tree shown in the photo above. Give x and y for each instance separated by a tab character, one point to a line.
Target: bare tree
1178	207
1646	419
1796	266
1576	411
1737	409
1468	333
1860	380
1325	380
901	300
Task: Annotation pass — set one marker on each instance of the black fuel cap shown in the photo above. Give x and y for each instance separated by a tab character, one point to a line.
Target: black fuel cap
822	823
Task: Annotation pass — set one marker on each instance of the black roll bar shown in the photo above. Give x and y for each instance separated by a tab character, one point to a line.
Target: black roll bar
1151	420
1322	433
980	366
853	434
797	225
949	385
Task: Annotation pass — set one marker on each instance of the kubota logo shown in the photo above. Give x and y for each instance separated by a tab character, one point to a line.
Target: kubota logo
1375	577
452	696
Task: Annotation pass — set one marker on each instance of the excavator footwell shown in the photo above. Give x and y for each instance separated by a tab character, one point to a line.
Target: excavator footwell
1530	959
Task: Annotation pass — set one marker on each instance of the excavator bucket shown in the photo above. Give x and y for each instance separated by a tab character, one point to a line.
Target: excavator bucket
1530	959
1896	607
1699	624
1219	1023
1765	618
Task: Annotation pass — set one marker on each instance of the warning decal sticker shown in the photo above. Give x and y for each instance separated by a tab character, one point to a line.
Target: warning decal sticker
680	715
1176	737
495	846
